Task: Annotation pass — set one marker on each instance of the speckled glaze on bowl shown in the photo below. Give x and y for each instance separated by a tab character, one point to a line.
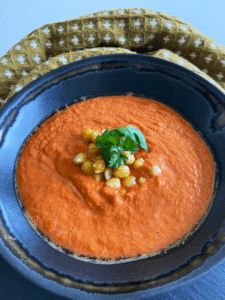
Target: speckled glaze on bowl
194	97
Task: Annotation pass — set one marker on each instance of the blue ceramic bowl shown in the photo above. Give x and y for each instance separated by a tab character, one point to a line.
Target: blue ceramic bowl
195	98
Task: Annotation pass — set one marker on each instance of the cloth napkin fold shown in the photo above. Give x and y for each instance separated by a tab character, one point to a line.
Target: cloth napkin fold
132	30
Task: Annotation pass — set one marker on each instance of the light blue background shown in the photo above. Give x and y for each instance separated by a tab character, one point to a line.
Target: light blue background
19	17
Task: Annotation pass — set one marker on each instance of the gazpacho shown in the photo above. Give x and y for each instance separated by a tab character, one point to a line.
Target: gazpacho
99	190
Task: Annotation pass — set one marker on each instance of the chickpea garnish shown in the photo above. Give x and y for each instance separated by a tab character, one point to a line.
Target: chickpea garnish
138	163
155	170
130	157
129	181
87	167
111	144
93	148
99	166
94	135
108	173
97	177
80	158
141	180
122	172
97	157
113	182
87	134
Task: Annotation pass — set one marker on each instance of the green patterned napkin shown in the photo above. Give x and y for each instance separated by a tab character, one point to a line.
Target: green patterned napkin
133	30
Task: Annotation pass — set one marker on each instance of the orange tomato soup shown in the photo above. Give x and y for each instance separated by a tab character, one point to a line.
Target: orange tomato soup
86	216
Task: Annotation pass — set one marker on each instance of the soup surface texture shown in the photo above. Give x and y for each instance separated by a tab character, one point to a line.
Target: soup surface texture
86	216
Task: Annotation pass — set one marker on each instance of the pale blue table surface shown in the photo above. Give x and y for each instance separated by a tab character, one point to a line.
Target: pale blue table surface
18	18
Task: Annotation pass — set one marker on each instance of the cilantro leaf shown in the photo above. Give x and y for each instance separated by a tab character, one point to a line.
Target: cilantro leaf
113	139
134	134
117	160
113	143
129	145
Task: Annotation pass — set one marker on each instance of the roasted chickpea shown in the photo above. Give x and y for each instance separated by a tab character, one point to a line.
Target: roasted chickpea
87	167
141	180
99	166
80	158
94	135
138	163
97	157
155	170
130	157
108	173
93	148
97	177
122	172
113	182
129	181
87	134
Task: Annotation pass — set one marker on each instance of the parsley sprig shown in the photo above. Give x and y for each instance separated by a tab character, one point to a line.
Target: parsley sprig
112	143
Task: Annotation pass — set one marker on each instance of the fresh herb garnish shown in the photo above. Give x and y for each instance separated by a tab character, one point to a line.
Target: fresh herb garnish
112	143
